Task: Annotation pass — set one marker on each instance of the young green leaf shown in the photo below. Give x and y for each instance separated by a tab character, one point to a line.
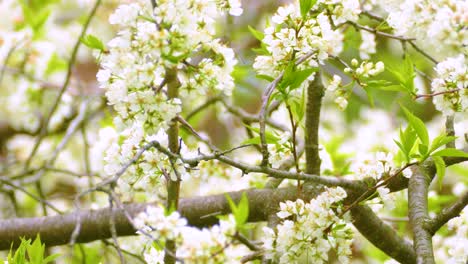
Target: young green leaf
441	140
241	211
93	42
404	75
408	69
270	137
440	169
418	126
407	142
36	251
257	34
265	77
305	6
450	152
298	77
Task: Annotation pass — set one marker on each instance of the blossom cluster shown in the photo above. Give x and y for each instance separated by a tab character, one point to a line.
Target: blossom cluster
454	248
307	232
30	66
366	69
360	72
439	26
213	245
368	45
379	167
142	176
171	44
293	36
451	85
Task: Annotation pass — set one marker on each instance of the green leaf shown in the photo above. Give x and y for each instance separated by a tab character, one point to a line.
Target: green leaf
257	34
404	75
36	251
241	211
418	126
56	64
407	141
403	150
440	169
305	6
423	149
393	88
261	51
293	78
298	108
408	68
383	26
232	205
93	42
370	97
271	138
450	152
265	77
50	258
298	77
254	140
35	15
441	140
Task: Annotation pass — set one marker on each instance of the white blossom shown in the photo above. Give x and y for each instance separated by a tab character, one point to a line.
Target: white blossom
451	85
306	234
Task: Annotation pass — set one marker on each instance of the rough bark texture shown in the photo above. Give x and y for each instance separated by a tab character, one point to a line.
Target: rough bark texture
315	93
446	214
382	235
418	214
199	211
173	186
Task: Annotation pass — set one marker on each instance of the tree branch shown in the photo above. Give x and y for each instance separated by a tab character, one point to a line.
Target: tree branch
199	211
315	92
446	214
173	185
382	235
418	214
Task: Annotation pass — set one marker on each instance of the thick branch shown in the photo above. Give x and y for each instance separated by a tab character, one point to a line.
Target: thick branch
418	214
199	211
400	182
315	93
173	185
446	214
382	235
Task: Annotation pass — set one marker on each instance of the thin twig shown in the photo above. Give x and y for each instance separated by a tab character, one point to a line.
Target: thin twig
446	214
436	94
64	87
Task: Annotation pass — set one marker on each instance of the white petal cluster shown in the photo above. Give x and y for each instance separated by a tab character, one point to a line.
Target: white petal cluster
281	150
174	42
334	86
453	249
439	26
292	36
375	166
379	167
27	99
343	10
144	175
366	69
234	7
367	46
304	234
452	82
213	245
360	72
